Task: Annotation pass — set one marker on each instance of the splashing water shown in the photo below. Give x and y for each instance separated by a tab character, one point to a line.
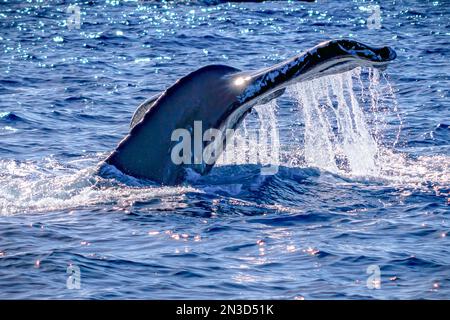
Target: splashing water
337	136
256	141
351	129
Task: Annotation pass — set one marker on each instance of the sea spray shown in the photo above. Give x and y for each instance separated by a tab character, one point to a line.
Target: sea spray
348	124
256	141
337	134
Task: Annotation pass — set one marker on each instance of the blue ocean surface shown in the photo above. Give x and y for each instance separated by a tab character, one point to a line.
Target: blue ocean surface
357	208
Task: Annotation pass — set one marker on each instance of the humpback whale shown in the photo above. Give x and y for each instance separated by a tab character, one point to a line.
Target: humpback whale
220	96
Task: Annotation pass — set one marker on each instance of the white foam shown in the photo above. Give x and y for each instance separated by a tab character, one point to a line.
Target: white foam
33	187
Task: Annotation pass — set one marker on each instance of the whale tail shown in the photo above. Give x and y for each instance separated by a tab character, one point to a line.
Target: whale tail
219	97
146	151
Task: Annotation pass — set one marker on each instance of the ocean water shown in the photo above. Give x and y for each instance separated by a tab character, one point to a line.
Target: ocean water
356	208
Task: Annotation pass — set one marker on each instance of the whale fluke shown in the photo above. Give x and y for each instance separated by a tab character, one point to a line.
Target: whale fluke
220	96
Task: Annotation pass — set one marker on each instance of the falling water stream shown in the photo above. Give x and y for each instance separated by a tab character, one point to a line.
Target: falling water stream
351	127
337	135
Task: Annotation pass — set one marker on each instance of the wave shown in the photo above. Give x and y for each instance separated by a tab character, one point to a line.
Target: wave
10	117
